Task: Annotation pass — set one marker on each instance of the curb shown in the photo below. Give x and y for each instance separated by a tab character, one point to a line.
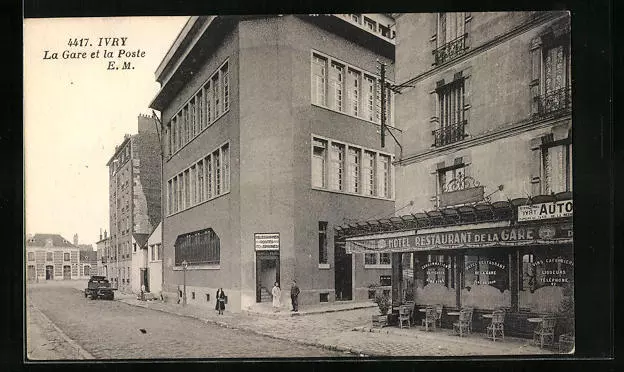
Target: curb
226	325
304	313
82	352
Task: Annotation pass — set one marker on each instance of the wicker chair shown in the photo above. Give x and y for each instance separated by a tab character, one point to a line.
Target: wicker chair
470	311
545	332
430	318
404	316
438	309
497	327
462	326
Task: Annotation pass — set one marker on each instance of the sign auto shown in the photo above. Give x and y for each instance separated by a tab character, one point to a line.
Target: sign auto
543	211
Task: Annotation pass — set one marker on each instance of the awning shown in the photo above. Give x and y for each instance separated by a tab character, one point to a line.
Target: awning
498	234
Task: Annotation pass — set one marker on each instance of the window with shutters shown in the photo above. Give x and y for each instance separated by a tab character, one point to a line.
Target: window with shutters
377	261
551	69
450	36
450	109
556	168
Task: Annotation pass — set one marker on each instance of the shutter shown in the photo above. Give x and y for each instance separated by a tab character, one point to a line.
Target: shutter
536	73
535	166
467	26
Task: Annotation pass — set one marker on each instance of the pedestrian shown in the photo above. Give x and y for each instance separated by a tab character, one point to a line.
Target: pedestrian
294	296
277	293
220	297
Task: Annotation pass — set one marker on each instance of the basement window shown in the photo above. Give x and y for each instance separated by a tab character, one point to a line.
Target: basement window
324	297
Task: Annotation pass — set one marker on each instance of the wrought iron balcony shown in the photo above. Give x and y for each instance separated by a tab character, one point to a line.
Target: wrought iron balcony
557	101
450	50
449	134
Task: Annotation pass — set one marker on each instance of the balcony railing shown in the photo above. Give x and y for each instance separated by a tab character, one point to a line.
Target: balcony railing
449	134
558	100
450	50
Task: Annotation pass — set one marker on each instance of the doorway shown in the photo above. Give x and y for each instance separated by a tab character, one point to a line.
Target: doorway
66	272
267	273
145	279
49	272
343	273
32	273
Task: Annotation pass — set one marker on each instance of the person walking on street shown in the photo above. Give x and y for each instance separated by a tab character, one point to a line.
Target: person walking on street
277	293
294	296
220	305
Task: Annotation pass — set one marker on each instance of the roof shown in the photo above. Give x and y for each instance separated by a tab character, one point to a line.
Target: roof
85	247
40	240
140	239
460	215
88	256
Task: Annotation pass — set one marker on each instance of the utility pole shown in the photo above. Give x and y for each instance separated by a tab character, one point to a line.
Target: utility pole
382	73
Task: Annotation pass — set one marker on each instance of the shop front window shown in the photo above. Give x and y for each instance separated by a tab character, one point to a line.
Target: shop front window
434	280
485	280
407	265
545	276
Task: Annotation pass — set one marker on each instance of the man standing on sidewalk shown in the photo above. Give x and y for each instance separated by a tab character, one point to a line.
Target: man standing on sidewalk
294	294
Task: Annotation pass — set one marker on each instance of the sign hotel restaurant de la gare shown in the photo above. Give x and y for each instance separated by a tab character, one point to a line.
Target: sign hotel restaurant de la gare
560	233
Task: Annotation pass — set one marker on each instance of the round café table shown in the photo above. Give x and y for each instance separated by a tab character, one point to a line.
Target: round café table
535	320
488	316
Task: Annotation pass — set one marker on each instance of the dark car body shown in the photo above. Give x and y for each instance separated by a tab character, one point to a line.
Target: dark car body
99	287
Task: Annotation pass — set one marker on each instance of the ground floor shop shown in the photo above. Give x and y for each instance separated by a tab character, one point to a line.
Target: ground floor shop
524	266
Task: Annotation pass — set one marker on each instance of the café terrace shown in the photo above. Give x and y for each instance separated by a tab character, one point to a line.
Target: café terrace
486	256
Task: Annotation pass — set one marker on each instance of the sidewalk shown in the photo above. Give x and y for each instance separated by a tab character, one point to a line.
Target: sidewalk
350	331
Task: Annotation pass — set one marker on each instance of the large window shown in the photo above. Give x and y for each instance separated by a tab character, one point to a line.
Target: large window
319	154
322	241
351	169
198	247
65	256
386	176
337	166
204	180
338	86
210	102
31	256
354	160
319	82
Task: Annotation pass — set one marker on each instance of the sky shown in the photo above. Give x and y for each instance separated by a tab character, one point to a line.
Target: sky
76	110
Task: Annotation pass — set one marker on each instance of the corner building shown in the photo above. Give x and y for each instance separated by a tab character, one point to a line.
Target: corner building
271	137
485	113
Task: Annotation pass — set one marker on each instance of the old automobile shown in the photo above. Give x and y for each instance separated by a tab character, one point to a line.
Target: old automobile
99	287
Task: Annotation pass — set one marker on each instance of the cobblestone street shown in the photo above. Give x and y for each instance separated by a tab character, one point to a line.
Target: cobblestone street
111	330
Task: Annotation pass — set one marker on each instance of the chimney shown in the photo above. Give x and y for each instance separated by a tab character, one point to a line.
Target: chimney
100	233
75	239
105	233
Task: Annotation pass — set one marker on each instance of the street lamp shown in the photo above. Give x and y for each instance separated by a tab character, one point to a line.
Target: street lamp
184	266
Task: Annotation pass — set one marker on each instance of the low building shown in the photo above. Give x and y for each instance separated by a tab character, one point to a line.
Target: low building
88	263
51	257
154	261
138	265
